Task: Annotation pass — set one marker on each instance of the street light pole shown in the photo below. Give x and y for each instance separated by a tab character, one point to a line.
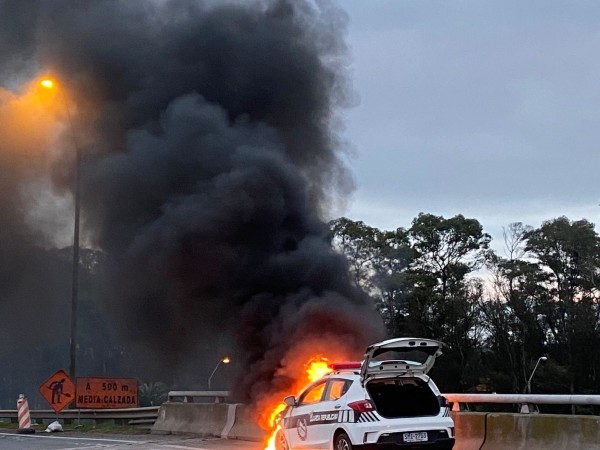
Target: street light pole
75	274
49	84
540	359
225	360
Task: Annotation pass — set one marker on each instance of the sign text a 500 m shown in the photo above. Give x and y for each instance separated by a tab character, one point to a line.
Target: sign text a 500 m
105	393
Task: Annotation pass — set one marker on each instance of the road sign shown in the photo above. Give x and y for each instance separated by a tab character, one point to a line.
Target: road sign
58	390
106	393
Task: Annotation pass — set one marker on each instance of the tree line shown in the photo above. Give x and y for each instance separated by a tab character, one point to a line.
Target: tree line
498	312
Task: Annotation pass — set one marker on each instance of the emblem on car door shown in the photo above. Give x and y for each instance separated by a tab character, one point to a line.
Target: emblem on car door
302	429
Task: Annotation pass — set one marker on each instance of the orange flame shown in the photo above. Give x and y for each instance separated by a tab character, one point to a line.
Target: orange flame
315	368
303	363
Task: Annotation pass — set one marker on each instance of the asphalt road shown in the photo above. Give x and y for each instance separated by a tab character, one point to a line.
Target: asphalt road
72	441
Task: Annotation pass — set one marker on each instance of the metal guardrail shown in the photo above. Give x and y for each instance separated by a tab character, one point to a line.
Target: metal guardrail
145	416
456	399
525	400
192	396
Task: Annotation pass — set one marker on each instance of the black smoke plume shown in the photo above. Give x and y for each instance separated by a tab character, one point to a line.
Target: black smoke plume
210	156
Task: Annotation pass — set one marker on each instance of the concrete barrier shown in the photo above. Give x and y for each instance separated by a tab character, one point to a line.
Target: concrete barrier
469	429
245	427
204	419
474	431
231	421
541	431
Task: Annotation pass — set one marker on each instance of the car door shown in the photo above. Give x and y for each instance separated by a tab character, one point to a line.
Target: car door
329	412
299	431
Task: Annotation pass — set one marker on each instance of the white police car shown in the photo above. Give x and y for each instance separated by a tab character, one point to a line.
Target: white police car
387	401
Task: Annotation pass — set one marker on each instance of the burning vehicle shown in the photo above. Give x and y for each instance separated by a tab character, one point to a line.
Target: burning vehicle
387	401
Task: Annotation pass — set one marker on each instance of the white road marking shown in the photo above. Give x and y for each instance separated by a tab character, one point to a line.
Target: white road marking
41	436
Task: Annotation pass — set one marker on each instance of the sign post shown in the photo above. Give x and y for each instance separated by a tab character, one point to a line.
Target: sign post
58	390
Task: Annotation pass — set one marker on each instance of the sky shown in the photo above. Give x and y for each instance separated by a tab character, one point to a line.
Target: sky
486	109
469	107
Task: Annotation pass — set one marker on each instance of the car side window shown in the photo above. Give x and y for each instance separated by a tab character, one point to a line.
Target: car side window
336	389
313	394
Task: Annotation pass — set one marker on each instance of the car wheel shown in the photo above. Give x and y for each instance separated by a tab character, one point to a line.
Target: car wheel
280	441
342	442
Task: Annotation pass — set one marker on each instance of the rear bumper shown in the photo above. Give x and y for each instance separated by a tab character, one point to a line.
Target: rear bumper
384	436
439	444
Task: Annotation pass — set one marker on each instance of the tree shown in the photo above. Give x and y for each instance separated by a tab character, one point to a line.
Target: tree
448	249
379	261
153	394
357	241
569	252
444	302
391	281
515	335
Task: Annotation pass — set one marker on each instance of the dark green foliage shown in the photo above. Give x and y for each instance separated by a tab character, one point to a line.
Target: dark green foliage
539	298
153	394
379	262
569	252
46	328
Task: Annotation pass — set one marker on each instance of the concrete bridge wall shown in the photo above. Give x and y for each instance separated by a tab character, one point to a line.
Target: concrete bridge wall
502	431
474	431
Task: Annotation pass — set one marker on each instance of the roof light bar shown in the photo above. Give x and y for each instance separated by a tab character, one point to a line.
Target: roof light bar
347	365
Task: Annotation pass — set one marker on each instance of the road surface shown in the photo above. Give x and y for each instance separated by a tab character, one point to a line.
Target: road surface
72	441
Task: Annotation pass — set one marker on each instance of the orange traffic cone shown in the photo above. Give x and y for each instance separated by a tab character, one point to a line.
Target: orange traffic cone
23	415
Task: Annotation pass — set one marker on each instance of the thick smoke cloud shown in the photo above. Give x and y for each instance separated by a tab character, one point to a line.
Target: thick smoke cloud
33	279
209	156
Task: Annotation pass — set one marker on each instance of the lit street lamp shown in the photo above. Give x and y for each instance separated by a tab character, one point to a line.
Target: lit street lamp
225	360
49	84
540	359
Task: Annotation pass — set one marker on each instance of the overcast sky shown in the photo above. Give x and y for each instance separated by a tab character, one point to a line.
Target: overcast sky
483	108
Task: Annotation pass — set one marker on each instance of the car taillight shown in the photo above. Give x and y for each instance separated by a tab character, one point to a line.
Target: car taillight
361	406
443	401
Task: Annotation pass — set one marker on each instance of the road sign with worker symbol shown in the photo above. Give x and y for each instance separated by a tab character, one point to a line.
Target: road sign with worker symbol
58	390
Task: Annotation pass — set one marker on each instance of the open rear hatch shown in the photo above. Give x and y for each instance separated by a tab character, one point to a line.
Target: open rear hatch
399	357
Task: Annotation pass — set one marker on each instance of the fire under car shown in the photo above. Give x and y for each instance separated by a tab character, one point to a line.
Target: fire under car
386	402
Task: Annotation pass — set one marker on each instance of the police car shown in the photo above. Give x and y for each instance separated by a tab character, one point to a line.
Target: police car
387	401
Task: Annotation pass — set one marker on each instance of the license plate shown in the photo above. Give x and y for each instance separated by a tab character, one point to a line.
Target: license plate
415	437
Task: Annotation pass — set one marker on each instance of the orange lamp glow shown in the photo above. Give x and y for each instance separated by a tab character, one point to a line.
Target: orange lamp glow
48	84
